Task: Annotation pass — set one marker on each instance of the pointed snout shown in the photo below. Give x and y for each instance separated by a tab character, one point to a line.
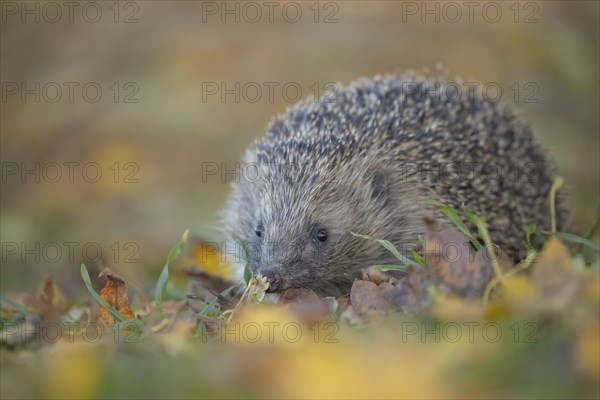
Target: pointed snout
274	279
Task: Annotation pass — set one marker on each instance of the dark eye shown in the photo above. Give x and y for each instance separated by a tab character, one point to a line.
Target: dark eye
321	235
259	230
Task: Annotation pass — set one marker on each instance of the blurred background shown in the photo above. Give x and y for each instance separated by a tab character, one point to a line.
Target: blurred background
110	111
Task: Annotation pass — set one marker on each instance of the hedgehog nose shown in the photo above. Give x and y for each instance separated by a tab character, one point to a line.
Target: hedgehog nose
275	282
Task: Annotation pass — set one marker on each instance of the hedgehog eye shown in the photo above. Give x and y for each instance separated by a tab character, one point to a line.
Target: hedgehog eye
321	235
259	229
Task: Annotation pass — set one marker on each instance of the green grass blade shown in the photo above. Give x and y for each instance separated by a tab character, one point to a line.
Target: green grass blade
208	308
575	239
485	235
421	240
391	267
460	225
88	283
247	274
161	286
20	308
586	250
594	227
417	256
392	249
472	217
163	279
558	183
452	215
531	228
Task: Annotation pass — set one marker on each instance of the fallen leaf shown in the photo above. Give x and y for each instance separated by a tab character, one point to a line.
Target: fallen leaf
370	299
52	294
296	295
518	289
377	276
115	294
50	303
458	267
72	372
412	292
554	276
587	349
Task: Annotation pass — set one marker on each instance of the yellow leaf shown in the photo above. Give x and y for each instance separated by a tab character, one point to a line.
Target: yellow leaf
554	276
264	324
72	372
209	258
352	370
518	288
587	348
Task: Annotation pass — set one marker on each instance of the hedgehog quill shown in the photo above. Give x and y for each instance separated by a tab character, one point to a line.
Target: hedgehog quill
365	160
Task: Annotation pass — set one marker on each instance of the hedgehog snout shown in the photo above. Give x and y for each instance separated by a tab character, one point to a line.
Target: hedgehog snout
274	279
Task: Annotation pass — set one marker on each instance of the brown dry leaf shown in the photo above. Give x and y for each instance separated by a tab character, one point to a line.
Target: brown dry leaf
411	294
369	299
452	267
52	294
459	269
115	294
50	303
297	295
377	276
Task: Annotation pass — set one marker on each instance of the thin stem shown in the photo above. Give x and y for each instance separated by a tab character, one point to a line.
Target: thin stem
558	182
526	263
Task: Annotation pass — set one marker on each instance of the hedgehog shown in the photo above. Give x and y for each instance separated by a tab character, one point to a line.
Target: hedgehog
367	159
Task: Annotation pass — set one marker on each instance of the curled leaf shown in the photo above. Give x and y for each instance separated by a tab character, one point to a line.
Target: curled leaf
115	294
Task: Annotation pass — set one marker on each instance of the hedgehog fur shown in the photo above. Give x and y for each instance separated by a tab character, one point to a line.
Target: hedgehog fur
365	160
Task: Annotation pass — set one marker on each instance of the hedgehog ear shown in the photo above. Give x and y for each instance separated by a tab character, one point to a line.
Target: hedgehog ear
379	185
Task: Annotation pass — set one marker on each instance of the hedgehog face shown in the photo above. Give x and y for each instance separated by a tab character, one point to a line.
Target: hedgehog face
296	228
297	224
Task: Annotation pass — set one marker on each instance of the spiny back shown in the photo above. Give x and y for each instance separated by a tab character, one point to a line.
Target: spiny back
365	160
